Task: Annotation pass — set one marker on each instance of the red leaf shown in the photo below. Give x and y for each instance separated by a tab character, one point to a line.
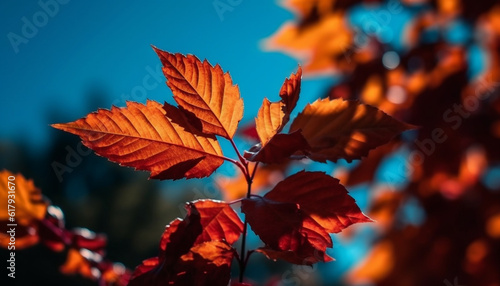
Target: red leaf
141	136
208	264
339	129
204	91
278	149
220	222
283	227
189	251
322	198
305	208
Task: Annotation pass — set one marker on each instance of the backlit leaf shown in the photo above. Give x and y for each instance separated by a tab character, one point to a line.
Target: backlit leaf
273	116
30	206
305	208
340	129
285	230
77	264
143	137
196	250
322	198
204	91
278	149
275	147
323	45
219	221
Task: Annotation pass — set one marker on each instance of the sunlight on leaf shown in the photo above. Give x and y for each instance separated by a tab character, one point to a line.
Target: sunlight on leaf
204	91
149	137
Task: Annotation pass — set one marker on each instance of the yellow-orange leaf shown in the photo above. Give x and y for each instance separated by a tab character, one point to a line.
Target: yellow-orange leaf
322	45
204	91
27	199
339	129
77	264
273	116
149	137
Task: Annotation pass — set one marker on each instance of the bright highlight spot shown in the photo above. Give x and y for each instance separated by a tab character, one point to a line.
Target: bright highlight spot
390	60
396	94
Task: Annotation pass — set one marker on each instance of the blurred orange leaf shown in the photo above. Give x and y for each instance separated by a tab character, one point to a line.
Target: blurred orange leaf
22	194
320	43
340	129
76	264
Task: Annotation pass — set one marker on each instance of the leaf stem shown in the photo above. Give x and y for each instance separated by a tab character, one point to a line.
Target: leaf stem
241	158
243	260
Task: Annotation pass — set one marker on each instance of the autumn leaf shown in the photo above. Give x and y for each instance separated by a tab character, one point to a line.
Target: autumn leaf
30	206
220	222
208	263
306	208
375	266
323	44
188	255
275	147
76	263
340	129
273	116
143	137
278	149
205	92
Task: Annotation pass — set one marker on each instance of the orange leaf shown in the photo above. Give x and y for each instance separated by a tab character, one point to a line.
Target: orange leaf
188	255
219	221
305	208
27	199
339	129
203	91
77	264
273	116
322	44
141	136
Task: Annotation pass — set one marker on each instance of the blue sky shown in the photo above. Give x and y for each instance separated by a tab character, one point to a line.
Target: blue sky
96	53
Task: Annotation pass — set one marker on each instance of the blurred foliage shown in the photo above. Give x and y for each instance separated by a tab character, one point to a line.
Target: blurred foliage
434	64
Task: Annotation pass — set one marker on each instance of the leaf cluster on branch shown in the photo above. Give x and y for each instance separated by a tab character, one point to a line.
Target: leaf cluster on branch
294	220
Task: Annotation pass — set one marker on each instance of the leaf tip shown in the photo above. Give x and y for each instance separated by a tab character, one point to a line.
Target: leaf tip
60	126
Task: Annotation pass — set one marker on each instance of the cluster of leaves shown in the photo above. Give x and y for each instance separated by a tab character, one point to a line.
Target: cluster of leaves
294	219
436	86
39	222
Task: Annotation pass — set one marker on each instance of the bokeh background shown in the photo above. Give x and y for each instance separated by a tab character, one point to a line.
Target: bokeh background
430	63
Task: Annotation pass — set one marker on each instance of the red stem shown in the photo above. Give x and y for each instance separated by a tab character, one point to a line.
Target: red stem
243	260
243	165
